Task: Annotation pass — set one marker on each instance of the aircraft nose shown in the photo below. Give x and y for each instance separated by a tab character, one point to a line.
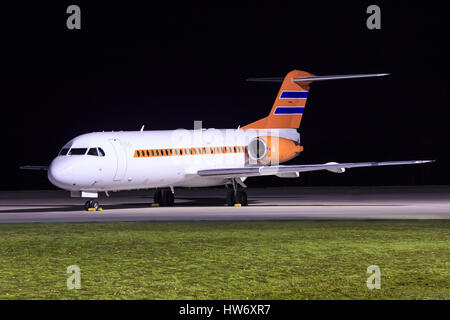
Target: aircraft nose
60	173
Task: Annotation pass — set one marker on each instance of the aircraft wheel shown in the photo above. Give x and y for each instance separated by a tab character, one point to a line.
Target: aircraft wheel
242	197
95	205
171	198
230	197
167	198
157	197
87	205
91	204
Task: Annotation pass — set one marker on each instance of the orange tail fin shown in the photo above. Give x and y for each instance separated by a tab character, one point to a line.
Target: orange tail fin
287	111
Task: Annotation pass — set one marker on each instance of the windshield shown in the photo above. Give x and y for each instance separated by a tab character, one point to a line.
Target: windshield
94	151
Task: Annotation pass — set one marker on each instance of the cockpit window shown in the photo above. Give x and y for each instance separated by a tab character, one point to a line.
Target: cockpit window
64	151
77	151
92	152
98	152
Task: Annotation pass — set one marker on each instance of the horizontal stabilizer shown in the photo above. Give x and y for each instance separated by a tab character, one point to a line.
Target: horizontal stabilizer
320	78
273	79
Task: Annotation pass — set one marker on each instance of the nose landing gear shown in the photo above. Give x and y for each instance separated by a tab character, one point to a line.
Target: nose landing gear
92	205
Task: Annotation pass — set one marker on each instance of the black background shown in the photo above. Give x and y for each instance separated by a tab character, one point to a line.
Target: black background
167	65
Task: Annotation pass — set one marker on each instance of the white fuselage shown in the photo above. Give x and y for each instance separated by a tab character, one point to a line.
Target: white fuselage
152	159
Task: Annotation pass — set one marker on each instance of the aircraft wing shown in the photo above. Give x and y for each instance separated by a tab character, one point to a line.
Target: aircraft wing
291	171
34	168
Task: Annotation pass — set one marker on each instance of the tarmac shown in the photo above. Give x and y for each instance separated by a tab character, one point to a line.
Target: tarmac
201	204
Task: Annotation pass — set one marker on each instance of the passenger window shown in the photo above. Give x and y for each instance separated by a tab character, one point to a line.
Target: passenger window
77	151
92	152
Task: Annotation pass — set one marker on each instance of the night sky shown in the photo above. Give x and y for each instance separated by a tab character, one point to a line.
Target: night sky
136	64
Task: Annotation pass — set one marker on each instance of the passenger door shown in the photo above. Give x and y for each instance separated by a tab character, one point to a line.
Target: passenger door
121	159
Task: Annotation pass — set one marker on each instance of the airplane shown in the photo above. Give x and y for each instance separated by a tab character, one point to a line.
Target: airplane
165	159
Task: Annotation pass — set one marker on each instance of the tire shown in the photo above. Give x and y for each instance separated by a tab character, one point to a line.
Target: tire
242	197
230	198
167	198
171	198
157	197
91	204
95	205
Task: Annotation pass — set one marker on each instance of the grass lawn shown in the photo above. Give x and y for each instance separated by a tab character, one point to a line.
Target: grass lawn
226	260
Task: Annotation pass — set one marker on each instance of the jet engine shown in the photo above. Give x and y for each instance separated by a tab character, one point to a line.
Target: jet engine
272	150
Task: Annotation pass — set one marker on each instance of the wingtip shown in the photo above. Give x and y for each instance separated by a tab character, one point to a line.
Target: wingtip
425	161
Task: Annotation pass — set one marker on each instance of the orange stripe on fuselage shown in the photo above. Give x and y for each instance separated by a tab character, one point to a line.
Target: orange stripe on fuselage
149	153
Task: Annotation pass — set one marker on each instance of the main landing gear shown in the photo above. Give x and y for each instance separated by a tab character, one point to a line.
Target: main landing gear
163	198
237	196
92	205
